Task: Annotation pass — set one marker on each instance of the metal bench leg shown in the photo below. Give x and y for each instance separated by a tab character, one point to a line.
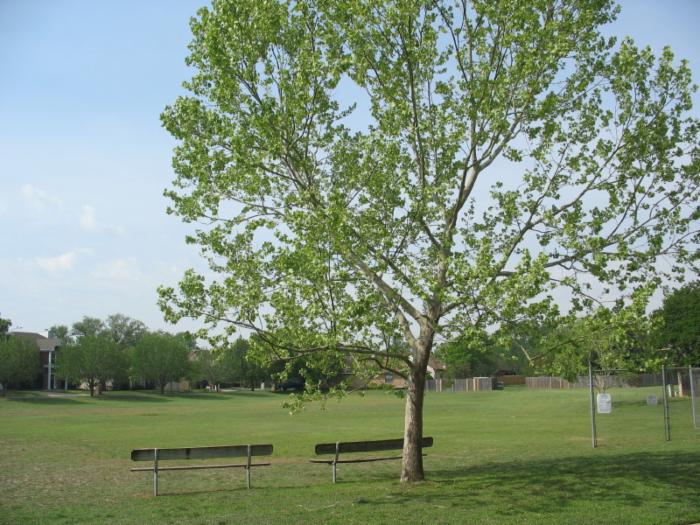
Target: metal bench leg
335	460
155	472
247	469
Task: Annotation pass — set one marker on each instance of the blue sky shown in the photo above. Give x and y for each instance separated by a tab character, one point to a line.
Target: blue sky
84	160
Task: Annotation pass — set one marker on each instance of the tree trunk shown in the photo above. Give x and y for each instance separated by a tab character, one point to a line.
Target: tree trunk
412	465
91	386
162	387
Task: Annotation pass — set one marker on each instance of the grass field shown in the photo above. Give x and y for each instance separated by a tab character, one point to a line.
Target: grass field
516	456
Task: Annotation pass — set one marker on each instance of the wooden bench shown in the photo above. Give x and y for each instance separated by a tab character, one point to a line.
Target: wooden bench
361	446
156	455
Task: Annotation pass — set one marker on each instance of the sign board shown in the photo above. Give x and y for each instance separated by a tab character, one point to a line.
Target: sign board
604	403
651	400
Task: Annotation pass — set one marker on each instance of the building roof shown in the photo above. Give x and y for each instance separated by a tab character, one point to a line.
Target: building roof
45	344
435	363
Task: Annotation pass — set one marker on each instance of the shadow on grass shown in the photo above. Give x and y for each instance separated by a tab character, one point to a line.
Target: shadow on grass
136	398
627	481
207	396
43	399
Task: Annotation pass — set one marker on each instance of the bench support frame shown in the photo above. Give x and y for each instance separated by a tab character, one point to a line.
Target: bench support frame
157	456
341	447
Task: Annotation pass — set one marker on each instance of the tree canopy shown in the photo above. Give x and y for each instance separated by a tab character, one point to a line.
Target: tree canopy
161	358
19	361
678	333
4	327
366	170
94	359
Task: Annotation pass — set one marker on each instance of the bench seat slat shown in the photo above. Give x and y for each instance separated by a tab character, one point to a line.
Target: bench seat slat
197	467
367	446
364	460
225	451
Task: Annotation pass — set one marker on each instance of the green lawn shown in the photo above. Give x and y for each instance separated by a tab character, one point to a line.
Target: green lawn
516	456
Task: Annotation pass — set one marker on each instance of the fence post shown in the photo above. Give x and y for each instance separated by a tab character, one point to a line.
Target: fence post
692	396
667	425
594	437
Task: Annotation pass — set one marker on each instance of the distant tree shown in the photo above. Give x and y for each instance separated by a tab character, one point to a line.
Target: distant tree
4	327
468	355
161	358
209	368
678	332
88	326
62	333
124	330
611	339
19	361
234	364
94	359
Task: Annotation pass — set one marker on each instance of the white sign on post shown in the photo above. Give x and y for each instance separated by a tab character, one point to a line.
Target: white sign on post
604	403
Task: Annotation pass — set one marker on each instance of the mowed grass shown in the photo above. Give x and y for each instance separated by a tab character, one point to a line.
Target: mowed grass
516	456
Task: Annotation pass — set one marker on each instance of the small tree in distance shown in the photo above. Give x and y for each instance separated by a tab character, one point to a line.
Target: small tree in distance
19	361
93	359
678	332
209	368
503	153
161	358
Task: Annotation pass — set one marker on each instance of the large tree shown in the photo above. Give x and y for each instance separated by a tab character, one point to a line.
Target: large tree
367	170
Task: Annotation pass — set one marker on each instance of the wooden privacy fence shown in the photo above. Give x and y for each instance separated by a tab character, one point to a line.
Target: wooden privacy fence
475	384
469	384
609	381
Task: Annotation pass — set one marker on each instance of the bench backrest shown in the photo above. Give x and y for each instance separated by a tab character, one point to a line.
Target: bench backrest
225	451
367	446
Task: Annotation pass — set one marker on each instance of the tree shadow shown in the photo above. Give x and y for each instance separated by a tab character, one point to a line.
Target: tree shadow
205	396
36	398
548	486
136	398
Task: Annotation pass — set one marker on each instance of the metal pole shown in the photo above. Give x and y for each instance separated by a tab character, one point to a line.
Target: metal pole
155	471
667	426
594	437
692	396
335	459
247	469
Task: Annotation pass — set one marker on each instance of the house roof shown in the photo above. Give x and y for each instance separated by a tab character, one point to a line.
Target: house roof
435	364
45	344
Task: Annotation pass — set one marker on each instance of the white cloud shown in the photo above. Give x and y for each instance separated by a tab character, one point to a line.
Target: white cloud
38	199
118	270
88	222
59	263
